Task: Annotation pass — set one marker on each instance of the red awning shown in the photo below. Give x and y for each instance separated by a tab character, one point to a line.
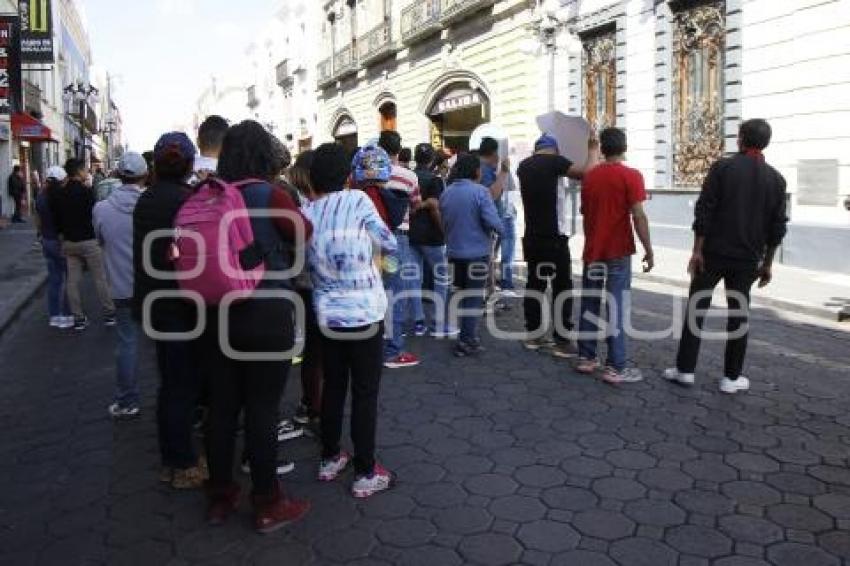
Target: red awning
25	127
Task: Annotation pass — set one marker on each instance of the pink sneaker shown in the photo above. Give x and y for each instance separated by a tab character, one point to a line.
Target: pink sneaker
587	367
367	486
329	470
403	360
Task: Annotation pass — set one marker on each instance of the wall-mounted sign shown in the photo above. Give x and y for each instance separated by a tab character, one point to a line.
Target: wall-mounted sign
10	66
457	99
36	31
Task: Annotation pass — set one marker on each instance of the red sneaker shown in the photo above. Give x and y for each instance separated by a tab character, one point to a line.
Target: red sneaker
276	511
403	360
223	502
367	486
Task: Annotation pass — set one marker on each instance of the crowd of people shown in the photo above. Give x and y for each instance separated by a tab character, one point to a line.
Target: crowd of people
224	257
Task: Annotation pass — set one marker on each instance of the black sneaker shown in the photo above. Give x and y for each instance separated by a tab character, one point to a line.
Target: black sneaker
465	349
81	323
109	319
284	466
288	430
302	415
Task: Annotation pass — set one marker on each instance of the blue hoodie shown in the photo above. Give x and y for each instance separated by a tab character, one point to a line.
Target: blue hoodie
113	226
469	218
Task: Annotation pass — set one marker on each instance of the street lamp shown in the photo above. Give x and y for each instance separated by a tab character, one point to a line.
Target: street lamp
548	21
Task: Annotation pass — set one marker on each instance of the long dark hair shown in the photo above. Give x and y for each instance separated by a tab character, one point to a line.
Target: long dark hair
248	152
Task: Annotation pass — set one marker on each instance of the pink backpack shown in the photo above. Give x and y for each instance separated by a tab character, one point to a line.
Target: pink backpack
211	231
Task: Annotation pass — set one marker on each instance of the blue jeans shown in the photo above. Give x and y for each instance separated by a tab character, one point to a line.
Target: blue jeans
57	274
470	278
126	347
399	285
615	277
507	245
431	261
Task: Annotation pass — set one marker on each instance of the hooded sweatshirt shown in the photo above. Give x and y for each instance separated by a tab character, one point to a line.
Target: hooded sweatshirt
113	225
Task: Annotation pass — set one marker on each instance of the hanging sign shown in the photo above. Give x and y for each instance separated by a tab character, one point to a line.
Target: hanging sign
36	31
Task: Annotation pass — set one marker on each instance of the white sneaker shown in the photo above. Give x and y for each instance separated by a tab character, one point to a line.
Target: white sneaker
56	321
66	322
367	486
329	470
673	374
734	385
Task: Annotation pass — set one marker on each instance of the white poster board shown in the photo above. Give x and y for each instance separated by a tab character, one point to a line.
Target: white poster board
572	133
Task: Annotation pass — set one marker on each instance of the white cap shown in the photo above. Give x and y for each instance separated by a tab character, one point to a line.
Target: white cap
56	173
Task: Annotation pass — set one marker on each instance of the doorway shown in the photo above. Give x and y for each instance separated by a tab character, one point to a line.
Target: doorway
345	134
455	114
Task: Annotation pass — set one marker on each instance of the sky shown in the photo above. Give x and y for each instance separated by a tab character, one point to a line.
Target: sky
162	54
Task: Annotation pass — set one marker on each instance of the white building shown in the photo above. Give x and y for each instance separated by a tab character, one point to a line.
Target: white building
678	75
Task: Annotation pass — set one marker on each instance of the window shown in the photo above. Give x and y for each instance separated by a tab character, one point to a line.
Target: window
599	62
698	46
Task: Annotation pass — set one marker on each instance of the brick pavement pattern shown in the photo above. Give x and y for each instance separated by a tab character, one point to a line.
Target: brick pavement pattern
507	459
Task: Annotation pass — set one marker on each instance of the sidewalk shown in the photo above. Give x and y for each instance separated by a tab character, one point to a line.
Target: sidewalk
22	270
814	293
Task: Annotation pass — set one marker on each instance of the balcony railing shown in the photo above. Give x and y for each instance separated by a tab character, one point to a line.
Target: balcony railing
345	62
324	72
376	44
420	19
453	10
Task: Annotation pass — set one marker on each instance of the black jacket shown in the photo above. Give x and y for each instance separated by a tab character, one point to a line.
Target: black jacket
17	188
72	207
741	210
156	210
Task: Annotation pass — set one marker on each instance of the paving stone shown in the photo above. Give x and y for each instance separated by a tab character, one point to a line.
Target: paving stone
463	520
389	506
491	485
657	513
740	561
831	474
703	469
582	558
642	552
704	502
291	551
747	462
751	529
587	467
673	451
429	555
665	479
834	504
517	508
540	476
751	493
342	546
547	536
603	524
701	541
618	488
794	554
601	441
836	543
514	456
799	517
630	459
440	495
490	549
796	483
466	464
406	532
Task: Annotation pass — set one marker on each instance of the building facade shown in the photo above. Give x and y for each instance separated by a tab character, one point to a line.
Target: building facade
678	75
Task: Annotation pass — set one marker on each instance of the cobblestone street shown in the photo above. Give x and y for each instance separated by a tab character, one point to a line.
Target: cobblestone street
510	458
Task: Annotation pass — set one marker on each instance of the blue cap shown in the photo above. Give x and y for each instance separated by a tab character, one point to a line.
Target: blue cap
371	164
177	142
546	142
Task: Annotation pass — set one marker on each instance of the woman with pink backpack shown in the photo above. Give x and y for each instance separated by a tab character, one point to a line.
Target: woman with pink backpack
247	351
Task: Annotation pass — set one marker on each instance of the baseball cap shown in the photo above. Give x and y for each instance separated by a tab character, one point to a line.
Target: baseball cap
176	142
546	142
56	173
132	164
371	164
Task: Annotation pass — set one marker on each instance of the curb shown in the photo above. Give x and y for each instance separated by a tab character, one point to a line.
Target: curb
834	315
28	290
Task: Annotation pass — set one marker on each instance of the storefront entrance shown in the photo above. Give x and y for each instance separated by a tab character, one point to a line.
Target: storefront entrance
455	114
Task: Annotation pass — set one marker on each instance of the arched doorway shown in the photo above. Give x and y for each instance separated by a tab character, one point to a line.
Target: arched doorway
387	116
455	112
345	133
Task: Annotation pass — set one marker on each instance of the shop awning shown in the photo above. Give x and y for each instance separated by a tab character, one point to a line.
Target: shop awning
27	128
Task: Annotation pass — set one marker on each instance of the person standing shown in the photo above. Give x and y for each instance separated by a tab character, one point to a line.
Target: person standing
177	359
469	218
350	306
17	189
210	137
113	226
546	244
72	211
740	221
428	249
400	283
612	197
262	324
57	269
